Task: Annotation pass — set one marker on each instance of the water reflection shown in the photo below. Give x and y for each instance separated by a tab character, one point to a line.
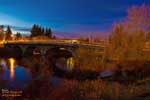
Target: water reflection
2	69
65	63
3	62
12	67
70	63
18	73
13	76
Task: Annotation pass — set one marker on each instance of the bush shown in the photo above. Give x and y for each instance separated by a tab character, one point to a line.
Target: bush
88	60
100	90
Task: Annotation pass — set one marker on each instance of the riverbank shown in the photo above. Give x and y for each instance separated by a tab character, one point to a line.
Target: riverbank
114	81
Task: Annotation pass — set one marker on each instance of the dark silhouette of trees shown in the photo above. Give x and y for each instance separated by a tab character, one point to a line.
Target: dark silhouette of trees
8	34
1	28
1	32
35	31
54	37
40	31
48	33
18	35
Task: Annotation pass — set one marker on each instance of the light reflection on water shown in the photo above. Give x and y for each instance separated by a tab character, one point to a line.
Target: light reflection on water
17	76
12	67
13	75
70	63
65	64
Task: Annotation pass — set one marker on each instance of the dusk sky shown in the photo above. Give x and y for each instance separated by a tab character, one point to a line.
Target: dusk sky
71	16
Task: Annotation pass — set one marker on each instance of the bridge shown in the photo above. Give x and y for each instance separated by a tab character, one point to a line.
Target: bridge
43	46
52	50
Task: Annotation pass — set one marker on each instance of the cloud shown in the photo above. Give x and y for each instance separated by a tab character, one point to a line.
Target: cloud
17	28
16	25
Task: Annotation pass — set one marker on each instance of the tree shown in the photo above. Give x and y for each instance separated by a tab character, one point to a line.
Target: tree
9	34
54	37
40	31
43	31
1	32
1	28
118	42
139	18
128	37
34	31
48	33
18	35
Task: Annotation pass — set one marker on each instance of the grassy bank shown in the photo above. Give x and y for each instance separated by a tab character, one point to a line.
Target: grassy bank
102	90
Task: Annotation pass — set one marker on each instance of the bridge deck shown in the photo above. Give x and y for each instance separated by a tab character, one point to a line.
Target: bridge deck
44	42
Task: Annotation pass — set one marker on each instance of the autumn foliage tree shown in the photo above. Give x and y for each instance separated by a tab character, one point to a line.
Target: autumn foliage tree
1	32
138	18
128	37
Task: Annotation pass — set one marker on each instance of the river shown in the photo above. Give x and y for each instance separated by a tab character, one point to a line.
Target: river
17	73
12	75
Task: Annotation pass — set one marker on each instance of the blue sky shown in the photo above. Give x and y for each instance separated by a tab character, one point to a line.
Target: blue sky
72	16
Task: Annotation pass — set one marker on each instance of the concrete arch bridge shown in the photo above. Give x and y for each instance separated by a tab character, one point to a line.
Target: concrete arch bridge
57	51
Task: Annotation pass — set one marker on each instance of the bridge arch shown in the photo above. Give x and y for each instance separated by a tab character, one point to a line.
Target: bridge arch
60	57
32	50
57	52
18	52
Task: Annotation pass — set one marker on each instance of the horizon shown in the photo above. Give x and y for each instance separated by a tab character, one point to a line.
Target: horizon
70	17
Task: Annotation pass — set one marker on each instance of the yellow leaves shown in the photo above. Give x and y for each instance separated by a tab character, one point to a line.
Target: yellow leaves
88	59
127	40
139	16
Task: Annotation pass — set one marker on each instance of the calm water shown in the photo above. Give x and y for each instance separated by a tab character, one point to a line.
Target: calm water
12	75
15	76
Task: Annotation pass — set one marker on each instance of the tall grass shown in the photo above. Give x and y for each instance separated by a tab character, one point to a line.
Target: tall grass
100	90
